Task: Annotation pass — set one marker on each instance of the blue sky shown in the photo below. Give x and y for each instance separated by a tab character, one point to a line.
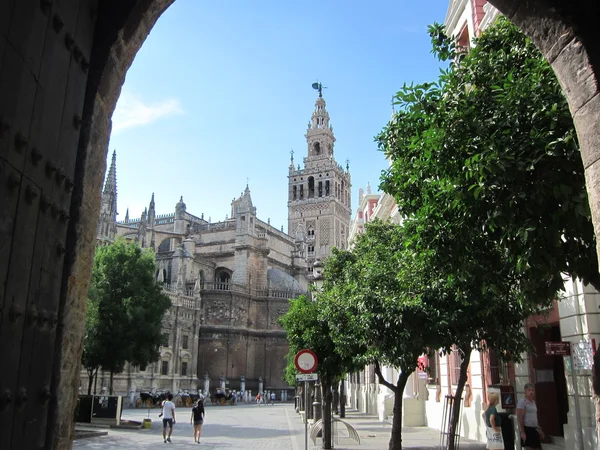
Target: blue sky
221	92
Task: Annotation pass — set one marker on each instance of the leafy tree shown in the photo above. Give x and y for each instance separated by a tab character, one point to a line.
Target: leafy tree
91	345
308	326
486	169
381	314
126	307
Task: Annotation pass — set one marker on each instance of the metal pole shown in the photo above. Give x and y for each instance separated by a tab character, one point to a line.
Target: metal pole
576	399
306	415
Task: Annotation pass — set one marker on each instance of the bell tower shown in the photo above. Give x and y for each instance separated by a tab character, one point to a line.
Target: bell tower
319	206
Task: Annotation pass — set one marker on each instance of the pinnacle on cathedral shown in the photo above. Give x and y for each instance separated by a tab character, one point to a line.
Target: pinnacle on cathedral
106	230
109	194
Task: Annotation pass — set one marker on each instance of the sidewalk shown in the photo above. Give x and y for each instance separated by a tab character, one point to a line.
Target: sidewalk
375	434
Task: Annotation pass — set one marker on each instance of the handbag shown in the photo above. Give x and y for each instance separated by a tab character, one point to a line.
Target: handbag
495	441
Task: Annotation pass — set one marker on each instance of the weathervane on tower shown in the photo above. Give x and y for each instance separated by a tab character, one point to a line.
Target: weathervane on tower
319	87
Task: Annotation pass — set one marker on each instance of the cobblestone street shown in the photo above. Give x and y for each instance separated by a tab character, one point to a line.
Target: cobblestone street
251	427
231	427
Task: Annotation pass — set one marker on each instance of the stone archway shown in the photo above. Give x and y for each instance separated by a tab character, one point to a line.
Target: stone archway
62	65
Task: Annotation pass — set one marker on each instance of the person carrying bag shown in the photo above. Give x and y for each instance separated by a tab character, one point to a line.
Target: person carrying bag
495	441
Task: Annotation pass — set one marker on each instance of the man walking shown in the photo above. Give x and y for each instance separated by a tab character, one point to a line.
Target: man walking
168	417
531	432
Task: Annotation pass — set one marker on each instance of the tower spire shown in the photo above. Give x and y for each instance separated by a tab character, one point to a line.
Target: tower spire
109	194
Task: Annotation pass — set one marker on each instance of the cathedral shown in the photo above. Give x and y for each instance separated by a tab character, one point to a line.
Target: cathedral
230	281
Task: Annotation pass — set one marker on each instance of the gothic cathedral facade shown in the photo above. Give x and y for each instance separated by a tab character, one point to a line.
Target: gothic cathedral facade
230	281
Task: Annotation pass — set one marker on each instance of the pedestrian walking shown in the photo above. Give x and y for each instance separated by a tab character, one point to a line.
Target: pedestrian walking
197	419
168	413
531	432
272	398
492	421
258	399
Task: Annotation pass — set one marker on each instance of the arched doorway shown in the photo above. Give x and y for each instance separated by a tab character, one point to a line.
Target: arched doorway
62	68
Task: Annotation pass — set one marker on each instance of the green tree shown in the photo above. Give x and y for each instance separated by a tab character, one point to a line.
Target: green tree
308	326
91	345
487	172
126	307
382	319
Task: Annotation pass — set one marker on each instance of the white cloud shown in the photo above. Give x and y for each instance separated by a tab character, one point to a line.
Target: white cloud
133	112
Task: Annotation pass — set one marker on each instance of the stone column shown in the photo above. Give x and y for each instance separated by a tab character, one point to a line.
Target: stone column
243	385
260	385
222	380
317	413
206	384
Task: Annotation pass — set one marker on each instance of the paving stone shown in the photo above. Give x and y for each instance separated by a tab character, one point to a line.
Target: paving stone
250	427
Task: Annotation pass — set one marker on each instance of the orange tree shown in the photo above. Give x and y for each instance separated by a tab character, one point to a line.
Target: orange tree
487	173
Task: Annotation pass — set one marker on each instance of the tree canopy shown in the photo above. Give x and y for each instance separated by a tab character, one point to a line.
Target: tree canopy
485	169
491	146
126	306
379	317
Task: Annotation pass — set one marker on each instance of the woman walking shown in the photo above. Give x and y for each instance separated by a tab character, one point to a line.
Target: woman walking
492	421
198	419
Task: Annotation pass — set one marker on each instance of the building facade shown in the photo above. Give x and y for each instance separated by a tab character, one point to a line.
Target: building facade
230	281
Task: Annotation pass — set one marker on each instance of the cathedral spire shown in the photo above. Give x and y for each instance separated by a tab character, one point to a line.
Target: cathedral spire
110	185
151	212
127	216
109	195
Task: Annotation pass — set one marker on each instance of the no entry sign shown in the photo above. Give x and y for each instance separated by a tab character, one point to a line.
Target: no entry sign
306	361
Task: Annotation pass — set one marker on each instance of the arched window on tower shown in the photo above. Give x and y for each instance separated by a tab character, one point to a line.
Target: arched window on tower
222	279
316	149
311	187
301	191
320	189
327	188
295	192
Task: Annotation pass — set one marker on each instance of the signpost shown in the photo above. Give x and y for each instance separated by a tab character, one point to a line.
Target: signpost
306	362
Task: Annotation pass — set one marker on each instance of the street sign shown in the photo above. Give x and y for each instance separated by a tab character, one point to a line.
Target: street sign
583	356
307	377
558	348
306	361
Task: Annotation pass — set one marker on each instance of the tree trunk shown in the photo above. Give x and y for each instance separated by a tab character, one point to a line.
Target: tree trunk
396	437
336	400
455	412
90	381
95	383
398	389
110	389
343	398
327	397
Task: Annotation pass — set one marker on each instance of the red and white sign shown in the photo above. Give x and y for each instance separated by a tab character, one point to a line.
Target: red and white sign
306	361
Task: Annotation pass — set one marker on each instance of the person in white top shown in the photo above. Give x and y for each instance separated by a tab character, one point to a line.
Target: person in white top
168	417
531	432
